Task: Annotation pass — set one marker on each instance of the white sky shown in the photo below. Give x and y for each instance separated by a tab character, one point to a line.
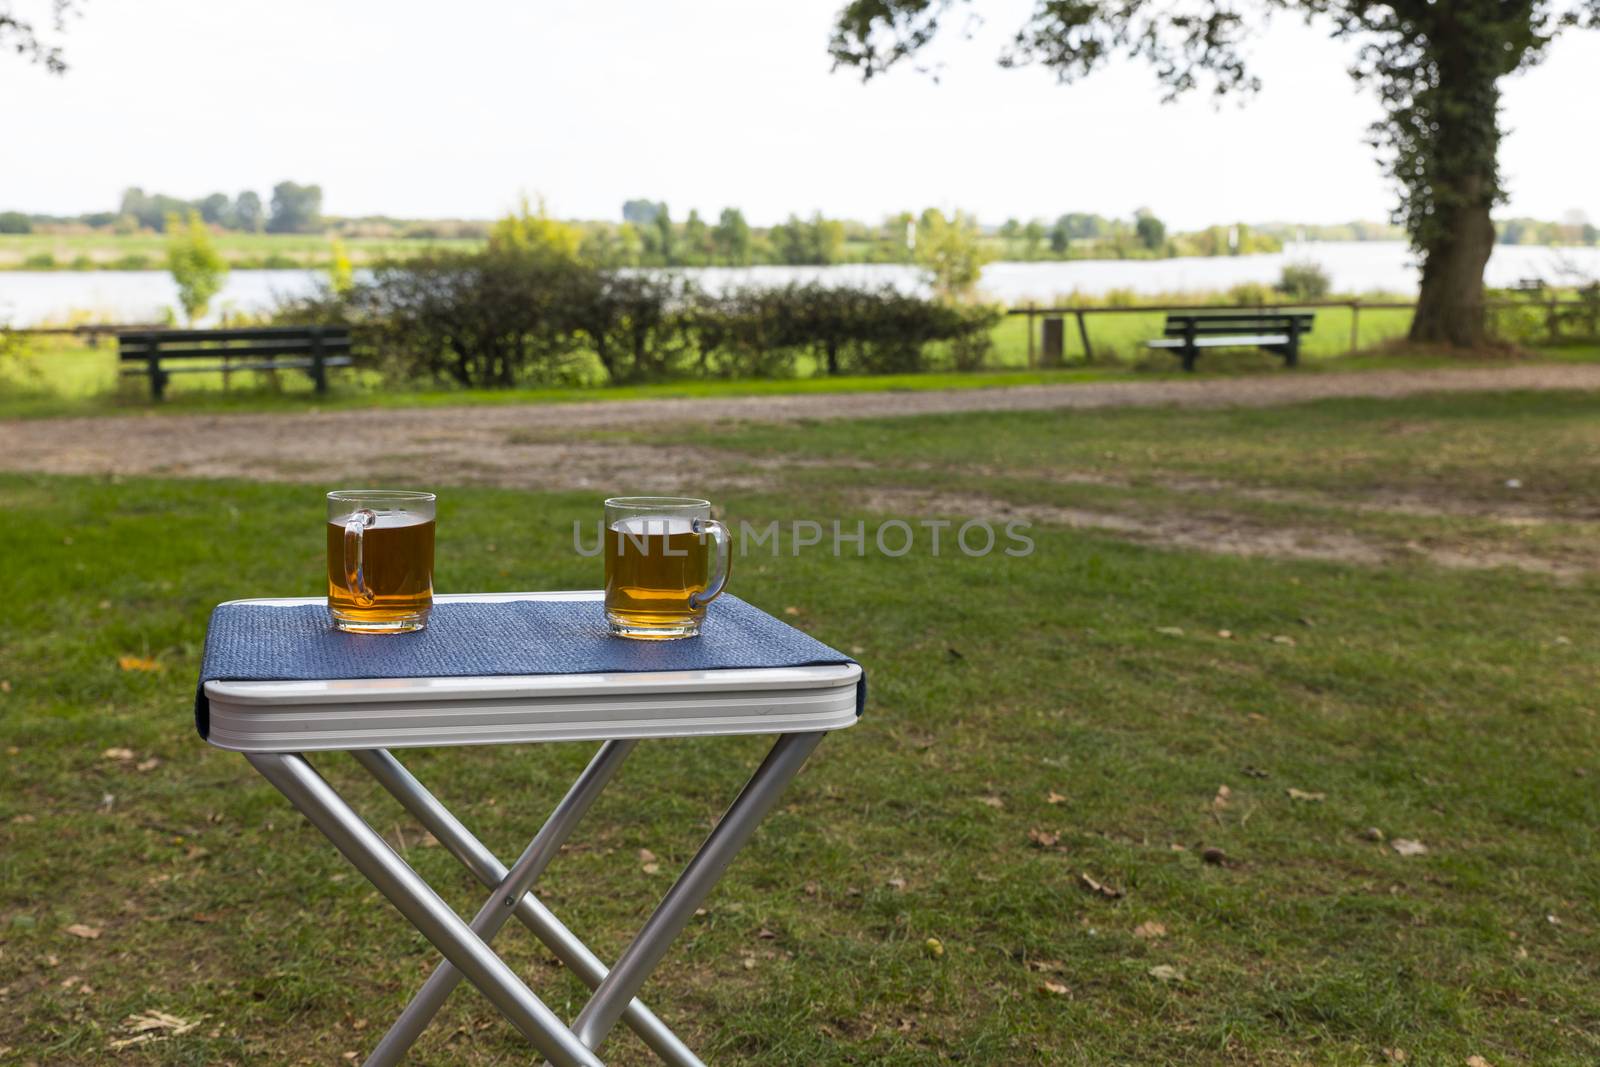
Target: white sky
452	109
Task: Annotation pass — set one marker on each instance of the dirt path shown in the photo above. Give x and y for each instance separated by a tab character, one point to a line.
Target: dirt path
543	446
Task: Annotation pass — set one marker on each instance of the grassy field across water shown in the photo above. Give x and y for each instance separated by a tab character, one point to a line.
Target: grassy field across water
1339	795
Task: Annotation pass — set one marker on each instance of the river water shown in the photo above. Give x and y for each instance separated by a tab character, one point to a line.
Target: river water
31	298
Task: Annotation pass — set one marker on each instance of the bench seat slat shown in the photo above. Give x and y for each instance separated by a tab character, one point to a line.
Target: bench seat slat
282	364
252	333
275	348
1234	340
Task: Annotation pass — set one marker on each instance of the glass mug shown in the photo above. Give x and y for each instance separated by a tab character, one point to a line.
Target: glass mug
380	560
658	565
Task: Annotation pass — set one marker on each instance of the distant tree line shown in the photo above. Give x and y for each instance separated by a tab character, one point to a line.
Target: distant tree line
294	208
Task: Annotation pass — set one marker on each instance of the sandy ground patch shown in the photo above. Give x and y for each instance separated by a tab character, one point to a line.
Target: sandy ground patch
1212	530
543	447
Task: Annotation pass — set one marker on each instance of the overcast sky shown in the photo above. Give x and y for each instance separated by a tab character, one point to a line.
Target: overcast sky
435	109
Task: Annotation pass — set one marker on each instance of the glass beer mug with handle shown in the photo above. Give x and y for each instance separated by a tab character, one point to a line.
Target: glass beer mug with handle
660	571
380	559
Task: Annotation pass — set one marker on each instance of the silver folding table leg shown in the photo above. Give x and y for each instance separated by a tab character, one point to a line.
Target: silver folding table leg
646	950
508	892
361	845
573	953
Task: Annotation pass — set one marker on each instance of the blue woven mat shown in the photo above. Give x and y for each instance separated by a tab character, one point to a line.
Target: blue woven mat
265	643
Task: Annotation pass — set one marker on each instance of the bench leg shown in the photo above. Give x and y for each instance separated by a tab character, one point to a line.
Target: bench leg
1189	355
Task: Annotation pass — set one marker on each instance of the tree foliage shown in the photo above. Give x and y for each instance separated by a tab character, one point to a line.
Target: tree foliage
952	252
197	267
23	36
296	208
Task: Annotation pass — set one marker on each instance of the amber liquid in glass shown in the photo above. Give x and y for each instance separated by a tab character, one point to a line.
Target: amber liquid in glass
653	566
397	563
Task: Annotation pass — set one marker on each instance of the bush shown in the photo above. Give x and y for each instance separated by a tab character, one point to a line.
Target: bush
39	261
1304	281
15	222
1251	294
525	315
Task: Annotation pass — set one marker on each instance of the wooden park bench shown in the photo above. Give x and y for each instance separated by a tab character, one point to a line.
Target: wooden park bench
312	349
1280	332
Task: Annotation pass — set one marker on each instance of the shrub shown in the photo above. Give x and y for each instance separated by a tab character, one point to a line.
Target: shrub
1304	281
1251	294
196	265
15	222
39	261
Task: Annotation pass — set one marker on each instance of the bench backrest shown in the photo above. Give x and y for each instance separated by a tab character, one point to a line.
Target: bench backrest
1227	323
256	341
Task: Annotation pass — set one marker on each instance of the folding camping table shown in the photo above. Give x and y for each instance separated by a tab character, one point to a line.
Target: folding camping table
274	722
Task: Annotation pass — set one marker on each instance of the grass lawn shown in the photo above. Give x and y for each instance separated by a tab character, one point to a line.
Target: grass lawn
1076	712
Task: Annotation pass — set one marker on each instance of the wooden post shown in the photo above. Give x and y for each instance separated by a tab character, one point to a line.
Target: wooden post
1552	322
1355	326
1030	335
1083	335
1053	341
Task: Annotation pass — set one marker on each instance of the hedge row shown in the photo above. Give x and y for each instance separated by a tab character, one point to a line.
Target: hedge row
514	318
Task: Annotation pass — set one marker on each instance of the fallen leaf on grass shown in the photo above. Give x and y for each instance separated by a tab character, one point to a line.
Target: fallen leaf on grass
5	687
88	933
1150	930
1043	838
934	947
1170	631
1053	797
153	1026
1310	798
1099	888
1395	1055
1478	1061
1407	847
120	755
1224	795
992	802
147	765
138	663
1165	972
896	883
1283	639
1046	966
1055	989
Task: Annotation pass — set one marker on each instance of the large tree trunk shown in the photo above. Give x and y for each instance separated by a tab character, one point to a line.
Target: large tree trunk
1450	304
1455	124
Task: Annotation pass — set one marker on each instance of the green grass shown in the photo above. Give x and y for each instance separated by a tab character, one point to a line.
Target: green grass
1452	706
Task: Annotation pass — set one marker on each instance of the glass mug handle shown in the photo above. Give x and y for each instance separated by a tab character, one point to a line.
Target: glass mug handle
355	577
714	585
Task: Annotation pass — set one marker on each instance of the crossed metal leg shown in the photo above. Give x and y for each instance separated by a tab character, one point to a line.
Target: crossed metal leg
465	945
